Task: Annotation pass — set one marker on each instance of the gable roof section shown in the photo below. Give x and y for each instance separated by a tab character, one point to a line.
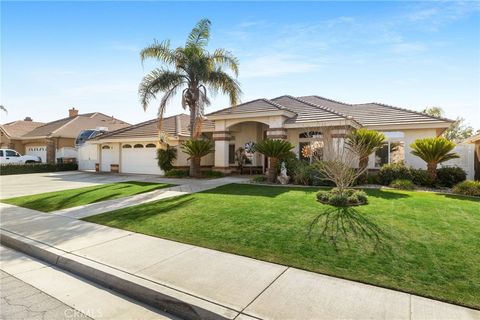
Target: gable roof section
176	125
377	114
18	128
254	106
308	112
94	119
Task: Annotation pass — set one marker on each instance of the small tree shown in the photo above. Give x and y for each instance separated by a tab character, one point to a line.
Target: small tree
197	149
166	157
433	151
364	142
275	150
240	158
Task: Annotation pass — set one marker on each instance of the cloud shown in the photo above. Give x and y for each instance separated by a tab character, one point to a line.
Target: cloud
408	47
273	65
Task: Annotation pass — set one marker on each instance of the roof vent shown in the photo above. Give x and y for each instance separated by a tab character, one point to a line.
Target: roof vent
27	119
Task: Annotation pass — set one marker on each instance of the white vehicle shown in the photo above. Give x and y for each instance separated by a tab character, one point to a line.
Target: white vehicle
8	156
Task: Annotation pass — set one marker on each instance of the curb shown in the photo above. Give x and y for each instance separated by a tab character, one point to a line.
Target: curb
153	294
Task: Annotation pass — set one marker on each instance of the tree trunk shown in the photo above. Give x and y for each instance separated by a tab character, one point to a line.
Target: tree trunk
432	170
363	163
195	164
193	114
272	170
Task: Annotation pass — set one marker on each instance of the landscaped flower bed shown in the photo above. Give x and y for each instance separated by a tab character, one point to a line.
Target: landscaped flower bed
349	197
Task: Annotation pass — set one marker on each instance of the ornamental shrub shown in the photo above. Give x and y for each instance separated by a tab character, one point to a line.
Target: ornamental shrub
421	177
394	171
212	174
468	188
177	173
450	176
350	197
402	184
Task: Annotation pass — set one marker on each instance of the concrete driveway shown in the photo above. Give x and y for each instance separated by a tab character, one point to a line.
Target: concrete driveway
26	184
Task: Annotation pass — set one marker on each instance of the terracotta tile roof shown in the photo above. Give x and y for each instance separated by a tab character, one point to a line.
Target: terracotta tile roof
376	114
258	105
177	125
18	128
86	121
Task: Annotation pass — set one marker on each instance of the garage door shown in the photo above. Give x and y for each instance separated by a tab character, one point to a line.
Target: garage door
107	158
140	158
39	151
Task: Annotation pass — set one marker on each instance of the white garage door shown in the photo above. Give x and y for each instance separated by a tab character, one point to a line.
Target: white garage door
107	158
39	151
140	158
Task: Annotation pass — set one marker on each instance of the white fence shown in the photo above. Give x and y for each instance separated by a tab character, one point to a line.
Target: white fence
466	151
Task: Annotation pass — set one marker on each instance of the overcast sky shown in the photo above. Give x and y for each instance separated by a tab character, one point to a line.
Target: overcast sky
57	55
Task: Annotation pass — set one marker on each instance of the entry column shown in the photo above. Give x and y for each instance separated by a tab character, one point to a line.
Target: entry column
221	139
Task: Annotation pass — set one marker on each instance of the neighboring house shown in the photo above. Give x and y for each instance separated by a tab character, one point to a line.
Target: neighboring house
11	133
56	140
300	120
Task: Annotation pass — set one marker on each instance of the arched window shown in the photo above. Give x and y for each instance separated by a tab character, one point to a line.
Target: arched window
138	145
126	146
150	145
106	147
310	134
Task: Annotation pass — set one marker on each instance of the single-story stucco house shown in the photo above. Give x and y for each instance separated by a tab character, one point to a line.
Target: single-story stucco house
56	139
297	119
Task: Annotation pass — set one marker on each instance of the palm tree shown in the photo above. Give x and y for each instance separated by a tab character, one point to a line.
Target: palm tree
3	109
433	151
275	150
193	73
364	142
197	149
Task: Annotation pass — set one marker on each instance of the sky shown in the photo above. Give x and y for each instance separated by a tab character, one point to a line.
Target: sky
57	55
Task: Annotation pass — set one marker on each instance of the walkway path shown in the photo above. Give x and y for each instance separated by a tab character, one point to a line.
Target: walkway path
232	286
186	186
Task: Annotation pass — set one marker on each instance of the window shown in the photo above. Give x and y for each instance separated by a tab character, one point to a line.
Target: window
126	146
391	152
1	153
310	134
106	147
11	153
138	145
150	145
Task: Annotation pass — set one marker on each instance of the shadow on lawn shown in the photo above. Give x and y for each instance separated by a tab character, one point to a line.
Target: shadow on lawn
346	226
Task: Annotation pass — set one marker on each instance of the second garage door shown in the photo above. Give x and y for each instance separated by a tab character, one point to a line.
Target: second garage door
140	158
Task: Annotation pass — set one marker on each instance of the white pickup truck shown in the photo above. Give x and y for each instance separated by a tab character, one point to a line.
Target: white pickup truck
8	156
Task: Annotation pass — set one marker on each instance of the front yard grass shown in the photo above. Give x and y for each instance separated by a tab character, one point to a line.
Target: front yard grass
58	200
418	242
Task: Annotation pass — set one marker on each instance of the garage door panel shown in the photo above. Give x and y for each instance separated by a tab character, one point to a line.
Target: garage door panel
140	160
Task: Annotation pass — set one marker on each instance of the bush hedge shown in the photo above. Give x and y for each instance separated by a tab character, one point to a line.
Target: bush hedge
402	184
6	169
446	177
177	173
349	197
468	188
450	176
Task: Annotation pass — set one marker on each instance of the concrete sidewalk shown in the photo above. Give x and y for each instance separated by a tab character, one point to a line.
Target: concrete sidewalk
227	285
186	186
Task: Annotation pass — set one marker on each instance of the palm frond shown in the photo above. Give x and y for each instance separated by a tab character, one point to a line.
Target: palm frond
3	109
274	148
160	51
200	34
222	57
223	82
197	148
158	80
435	150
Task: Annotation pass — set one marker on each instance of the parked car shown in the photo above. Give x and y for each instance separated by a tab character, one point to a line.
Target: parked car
8	156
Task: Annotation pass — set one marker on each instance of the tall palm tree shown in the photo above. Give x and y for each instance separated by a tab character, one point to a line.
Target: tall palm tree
433	151
191	71
275	150
197	149
364	142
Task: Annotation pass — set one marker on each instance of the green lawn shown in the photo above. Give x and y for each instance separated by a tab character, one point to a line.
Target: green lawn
58	200
418	242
